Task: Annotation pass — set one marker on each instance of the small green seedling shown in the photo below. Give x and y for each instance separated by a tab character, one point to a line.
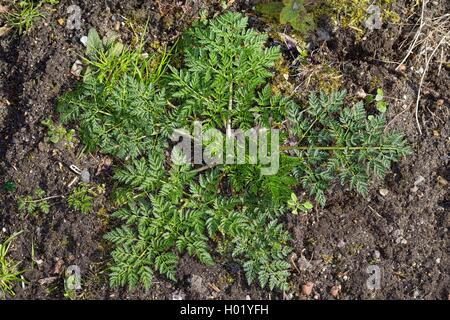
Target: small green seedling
9	186
31	204
270	11
23	16
9	269
57	133
51	2
108	60
82	198
292	12
24	13
297	207
380	103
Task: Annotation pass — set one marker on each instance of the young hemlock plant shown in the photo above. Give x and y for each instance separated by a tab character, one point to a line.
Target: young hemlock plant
82	198
31	204
169	208
57	133
117	106
9	269
340	142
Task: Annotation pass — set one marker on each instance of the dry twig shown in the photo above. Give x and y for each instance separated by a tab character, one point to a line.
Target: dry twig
433	33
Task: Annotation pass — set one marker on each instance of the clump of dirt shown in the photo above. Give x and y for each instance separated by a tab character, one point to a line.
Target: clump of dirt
403	232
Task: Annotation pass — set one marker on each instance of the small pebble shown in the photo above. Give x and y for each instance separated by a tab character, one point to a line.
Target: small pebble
58	266
384	192
376	255
442	182
197	284
84	40
307	288
323	35
398	233
178	295
85	176
77	68
288	296
304	264
361	94
402	67
48	280
419	180
334	292
41	146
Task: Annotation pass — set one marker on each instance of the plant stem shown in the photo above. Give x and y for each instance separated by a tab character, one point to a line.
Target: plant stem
44	199
204	168
331	148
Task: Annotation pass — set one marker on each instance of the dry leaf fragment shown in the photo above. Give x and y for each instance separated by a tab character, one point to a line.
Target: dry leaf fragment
4	30
3	9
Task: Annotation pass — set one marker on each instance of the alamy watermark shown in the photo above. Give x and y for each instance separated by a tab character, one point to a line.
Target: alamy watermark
257	146
74	17
72	281
374	21
374	280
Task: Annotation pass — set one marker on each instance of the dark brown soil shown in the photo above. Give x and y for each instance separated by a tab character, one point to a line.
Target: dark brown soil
405	233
